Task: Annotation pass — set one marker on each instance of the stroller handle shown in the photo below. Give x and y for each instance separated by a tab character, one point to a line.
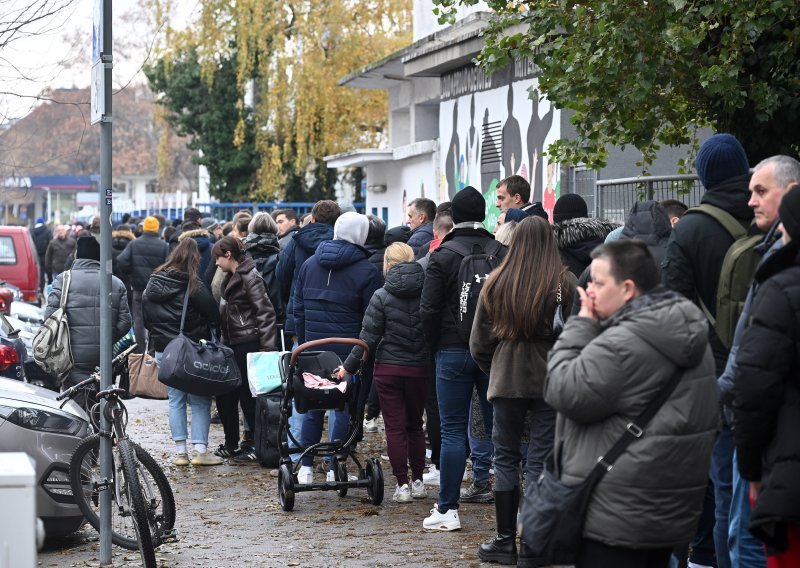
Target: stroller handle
321	342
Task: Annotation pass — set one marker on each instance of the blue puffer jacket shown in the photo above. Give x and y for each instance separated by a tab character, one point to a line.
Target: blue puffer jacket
421	237
333	291
302	245
203	240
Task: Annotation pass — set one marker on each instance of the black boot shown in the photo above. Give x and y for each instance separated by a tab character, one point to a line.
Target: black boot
503	547
526	556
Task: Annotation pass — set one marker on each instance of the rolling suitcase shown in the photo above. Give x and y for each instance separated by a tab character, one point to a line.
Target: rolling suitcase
268	414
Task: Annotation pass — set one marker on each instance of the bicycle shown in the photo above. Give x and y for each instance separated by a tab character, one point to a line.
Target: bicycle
143	512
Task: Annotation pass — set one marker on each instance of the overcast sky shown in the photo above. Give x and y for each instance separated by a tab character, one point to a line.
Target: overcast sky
57	52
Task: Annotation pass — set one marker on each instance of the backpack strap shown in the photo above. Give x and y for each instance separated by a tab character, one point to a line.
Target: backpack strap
459	248
65	288
728	221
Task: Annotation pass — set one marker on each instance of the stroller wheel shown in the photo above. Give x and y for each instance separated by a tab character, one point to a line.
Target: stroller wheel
340	474
375	477
286	487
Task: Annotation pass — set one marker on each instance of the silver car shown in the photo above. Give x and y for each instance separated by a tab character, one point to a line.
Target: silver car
32	421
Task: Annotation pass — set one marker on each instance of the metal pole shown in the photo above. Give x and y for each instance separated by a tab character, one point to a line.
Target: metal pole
104	197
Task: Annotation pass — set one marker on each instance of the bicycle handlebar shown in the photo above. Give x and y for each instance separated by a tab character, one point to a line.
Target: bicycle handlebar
83	384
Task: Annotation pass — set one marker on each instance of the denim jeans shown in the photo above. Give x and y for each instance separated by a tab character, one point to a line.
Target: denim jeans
722	476
312	429
746	550
201	413
456	376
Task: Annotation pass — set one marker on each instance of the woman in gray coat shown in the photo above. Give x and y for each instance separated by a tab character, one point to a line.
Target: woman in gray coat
628	340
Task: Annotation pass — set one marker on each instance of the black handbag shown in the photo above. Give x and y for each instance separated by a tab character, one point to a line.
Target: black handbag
198	367
553	512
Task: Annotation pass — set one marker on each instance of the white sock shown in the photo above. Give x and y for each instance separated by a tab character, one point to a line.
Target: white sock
695	565
180	447
200	448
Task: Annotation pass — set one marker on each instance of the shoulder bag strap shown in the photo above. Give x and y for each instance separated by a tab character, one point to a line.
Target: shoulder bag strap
65	288
185	306
635	429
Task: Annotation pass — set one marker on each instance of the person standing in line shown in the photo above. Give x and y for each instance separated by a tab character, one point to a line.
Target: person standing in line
286	221
421	213
138	261
766	396
626	344
248	325
42	235
59	252
392	330
162	309
511	336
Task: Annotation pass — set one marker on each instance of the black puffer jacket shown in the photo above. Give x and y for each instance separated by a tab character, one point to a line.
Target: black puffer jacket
42	235
766	397
263	248
246	314
648	222
162	304
697	247
83	314
577	238
392	326
141	257
441	291
376	254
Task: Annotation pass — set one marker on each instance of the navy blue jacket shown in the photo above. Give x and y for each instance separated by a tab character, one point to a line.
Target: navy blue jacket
203	240
303	244
333	290
421	237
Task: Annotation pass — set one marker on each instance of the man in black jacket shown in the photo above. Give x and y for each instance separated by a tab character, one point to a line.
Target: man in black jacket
139	259
456	372
692	266
42	235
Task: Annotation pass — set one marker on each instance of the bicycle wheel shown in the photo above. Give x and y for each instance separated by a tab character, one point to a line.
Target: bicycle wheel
85	478
131	488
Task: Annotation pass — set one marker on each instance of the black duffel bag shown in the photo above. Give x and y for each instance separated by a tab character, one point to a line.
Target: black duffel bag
198	367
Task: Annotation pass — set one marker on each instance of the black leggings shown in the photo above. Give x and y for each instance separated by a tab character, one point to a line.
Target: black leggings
227	404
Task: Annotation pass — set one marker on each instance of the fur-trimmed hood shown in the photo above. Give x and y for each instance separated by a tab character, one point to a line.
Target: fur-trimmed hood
194	233
128	235
573	231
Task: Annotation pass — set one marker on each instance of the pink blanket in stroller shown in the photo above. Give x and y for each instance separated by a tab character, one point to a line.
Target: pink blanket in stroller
312	381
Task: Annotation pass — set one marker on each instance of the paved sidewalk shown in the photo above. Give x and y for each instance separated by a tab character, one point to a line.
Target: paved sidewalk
229	516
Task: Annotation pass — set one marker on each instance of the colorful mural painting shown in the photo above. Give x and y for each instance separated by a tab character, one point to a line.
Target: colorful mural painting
515	129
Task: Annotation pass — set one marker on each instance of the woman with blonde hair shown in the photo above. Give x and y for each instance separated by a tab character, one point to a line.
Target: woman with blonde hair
393	330
511	335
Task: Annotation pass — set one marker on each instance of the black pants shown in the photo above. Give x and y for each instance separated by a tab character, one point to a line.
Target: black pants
433	424
228	404
598	555
373	404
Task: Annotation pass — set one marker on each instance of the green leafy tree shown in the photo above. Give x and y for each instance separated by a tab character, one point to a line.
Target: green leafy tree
650	73
212	114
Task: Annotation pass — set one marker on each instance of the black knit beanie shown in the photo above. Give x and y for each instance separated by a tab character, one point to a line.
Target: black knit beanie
468	205
569	206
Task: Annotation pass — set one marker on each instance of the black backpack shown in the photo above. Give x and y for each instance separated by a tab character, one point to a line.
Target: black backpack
476	264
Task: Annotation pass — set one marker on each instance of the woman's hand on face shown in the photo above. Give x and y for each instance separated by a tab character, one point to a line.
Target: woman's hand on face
587	305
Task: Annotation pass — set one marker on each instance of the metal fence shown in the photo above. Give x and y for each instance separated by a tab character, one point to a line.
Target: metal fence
612	199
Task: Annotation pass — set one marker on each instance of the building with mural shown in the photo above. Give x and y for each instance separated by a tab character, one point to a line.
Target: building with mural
451	124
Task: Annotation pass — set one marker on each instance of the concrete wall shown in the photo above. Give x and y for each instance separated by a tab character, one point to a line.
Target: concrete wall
405	180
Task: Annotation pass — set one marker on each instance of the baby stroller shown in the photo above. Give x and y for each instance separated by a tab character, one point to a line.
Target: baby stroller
324	364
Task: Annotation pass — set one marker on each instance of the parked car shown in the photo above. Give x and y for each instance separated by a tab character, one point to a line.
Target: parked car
12	351
32	421
19	263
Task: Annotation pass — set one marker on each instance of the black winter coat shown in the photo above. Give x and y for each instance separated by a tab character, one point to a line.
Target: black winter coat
141	257
162	304
697	247
264	250
42	235
83	314
392	326
649	223
577	238
376	254
766	397
440	294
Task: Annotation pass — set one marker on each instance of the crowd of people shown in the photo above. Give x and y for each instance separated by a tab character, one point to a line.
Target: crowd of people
532	347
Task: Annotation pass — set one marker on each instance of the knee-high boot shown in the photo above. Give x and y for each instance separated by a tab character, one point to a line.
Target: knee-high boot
503	547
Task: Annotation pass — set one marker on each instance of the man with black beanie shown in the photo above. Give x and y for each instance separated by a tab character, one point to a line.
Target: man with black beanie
456	372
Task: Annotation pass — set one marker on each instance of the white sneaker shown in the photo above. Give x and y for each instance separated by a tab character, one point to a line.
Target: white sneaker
306	475
402	494
331	477
448	521
432	477
371	425
418	490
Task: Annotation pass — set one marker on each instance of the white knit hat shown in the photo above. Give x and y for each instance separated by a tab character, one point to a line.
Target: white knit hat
351	227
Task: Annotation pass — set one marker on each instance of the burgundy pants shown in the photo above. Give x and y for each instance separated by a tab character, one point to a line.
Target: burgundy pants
402	390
